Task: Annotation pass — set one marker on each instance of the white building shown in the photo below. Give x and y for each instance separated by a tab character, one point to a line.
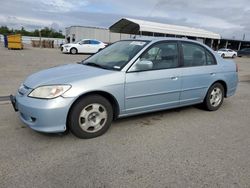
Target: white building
126	28
76	33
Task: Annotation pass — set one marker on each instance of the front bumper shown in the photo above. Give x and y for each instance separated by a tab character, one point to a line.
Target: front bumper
13	102
42	115
65	50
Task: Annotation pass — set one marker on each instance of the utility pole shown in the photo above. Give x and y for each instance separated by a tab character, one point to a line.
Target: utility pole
40	38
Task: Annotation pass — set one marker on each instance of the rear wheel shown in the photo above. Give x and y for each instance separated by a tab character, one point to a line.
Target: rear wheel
90	117
214	97
73	51
234	56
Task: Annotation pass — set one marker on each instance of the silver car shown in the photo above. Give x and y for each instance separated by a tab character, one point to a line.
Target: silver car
129	77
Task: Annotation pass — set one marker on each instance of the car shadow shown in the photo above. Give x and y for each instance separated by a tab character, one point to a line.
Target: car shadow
157	115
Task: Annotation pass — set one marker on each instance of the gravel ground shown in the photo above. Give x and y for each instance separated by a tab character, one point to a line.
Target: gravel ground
185	147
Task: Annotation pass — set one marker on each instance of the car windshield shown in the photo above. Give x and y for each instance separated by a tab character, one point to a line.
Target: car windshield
77	41
245	49
117	55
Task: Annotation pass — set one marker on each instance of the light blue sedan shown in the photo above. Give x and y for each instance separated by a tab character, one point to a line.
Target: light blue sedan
127	78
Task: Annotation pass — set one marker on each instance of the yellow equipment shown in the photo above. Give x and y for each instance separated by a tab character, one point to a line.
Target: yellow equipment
15	42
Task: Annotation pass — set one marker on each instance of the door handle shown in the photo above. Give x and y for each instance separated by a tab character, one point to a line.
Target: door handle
174	78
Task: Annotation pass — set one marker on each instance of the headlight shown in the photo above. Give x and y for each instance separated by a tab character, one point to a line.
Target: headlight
49	92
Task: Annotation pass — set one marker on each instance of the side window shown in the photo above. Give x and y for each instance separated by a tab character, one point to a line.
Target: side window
94	42
210	59
193	55
85	42
162	55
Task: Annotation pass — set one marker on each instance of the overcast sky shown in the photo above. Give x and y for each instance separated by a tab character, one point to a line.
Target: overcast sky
230	18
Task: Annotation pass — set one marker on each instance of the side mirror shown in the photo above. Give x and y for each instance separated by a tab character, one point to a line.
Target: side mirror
142	65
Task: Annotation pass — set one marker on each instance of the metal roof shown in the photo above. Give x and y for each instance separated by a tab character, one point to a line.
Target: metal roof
134	26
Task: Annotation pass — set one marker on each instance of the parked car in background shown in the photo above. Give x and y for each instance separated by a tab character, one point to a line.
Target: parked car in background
224	52
127	78
244	52
83	46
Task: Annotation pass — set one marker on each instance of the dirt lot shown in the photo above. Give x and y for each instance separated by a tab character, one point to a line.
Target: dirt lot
185	147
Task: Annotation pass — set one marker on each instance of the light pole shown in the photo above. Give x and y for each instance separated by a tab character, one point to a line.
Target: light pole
40	39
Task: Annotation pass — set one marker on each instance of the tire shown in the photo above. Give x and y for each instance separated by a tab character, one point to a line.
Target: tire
214	97
90	117
234	56
223	55
73	51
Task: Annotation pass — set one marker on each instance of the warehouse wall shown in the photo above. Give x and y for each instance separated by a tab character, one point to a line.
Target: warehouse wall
76	33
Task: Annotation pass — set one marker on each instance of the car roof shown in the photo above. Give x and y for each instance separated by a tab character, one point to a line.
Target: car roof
158	39
155	39
225	49
90	39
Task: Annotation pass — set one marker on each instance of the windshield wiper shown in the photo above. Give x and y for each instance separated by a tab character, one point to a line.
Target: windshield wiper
95	65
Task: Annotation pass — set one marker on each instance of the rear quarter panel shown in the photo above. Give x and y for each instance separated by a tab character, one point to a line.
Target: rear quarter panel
227	72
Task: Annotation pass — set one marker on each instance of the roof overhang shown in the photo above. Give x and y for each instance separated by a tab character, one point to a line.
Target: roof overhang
135	26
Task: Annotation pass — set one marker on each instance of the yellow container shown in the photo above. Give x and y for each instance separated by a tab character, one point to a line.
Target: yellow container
15	42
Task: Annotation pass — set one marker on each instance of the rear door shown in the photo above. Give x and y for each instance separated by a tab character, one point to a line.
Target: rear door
198	72
158	87
94	46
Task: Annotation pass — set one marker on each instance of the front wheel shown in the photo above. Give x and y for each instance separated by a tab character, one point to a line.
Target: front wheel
214	97
223	55
90	117
73	51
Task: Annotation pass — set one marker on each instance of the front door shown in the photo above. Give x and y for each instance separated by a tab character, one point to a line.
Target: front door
84	47
156	87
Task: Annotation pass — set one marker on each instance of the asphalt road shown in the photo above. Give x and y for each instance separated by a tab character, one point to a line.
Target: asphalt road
186	147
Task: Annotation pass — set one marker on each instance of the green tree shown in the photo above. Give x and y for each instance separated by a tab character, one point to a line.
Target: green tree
45	32
4	30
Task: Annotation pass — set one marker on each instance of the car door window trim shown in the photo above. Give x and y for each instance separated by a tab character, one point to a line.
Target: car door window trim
148	48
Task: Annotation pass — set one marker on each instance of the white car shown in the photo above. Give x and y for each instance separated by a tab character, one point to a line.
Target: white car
224	52
83	46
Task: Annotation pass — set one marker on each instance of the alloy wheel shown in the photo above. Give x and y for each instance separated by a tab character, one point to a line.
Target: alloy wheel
93	117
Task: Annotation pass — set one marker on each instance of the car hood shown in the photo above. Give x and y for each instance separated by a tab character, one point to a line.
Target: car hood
65	74
70	44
